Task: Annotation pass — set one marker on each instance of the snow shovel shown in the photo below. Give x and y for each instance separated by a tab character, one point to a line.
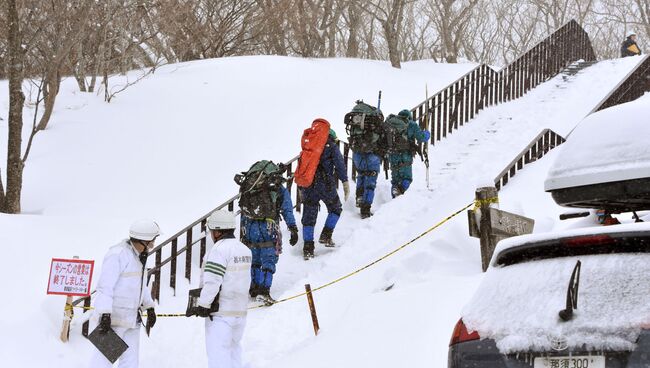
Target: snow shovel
109	344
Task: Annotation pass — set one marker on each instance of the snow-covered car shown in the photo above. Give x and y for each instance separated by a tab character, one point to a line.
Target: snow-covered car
576	299
605	162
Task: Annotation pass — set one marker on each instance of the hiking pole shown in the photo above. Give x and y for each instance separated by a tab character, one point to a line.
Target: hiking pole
425	145
379	102
386	165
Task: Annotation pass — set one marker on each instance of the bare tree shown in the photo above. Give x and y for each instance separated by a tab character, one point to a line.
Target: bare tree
390	14
61	28
272	26
451	19
10	200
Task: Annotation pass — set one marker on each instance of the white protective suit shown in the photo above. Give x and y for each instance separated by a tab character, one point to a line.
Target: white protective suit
121	291
227	272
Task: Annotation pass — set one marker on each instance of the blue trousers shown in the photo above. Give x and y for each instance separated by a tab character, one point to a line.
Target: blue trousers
263	266
367	166
311	197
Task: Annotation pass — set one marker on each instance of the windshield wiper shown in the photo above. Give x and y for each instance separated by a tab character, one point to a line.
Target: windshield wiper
571	295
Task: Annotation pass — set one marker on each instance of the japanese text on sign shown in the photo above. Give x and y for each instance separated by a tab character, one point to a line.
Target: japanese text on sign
70	277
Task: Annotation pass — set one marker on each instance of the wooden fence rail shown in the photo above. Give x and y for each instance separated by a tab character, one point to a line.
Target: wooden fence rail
483	86
449	109
538	147
633	86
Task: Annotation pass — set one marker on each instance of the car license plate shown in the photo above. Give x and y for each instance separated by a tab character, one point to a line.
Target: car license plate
577	361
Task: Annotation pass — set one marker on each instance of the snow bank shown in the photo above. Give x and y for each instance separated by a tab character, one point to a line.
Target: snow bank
610	145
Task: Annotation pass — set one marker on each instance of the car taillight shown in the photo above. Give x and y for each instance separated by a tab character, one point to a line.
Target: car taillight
588	240
461	335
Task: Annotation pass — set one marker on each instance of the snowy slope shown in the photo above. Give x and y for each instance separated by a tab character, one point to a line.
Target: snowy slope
188	137
166	148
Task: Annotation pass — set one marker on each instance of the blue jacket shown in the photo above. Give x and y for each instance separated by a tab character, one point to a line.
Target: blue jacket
414	132
331	163
262	231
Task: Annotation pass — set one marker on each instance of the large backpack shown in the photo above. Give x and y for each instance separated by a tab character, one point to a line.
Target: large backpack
259	190
396	128
364	125
312	143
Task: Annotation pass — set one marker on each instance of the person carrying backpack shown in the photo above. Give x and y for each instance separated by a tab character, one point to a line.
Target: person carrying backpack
629	46
364	125
263	199
404	137
331	168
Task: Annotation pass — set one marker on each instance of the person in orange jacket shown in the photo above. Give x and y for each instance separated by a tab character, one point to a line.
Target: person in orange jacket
605	218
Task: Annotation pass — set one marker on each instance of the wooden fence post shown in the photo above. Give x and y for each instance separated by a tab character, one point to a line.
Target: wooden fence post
485	198
67	316
312	309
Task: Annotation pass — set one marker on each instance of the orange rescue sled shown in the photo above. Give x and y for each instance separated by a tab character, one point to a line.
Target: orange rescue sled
312	143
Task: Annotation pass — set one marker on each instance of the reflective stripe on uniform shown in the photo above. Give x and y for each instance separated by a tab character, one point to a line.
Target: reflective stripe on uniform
215	268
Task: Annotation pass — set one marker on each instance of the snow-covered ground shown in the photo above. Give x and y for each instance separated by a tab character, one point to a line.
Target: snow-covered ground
168	148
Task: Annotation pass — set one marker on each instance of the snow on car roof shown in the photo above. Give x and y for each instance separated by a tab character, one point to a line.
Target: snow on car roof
607	146
596	230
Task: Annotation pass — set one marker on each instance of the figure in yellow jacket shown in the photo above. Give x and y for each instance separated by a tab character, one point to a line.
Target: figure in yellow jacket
629	46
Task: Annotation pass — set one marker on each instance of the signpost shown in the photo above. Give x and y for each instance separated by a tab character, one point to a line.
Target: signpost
492	225
70	277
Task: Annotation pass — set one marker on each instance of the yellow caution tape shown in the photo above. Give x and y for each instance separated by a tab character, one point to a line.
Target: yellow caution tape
478	203
442	222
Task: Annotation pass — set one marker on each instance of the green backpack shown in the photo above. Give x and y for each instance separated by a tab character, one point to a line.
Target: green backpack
259	190
397	134
364	126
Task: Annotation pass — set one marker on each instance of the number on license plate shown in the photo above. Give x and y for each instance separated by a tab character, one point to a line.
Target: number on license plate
570	362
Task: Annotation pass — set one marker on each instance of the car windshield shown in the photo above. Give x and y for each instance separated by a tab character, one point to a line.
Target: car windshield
613	243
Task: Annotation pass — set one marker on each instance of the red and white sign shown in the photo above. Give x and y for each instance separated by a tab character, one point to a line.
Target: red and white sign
70	277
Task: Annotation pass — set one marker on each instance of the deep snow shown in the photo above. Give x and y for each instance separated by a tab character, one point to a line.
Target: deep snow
168	148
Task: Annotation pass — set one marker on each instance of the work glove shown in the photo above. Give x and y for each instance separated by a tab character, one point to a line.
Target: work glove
427	135
294	235
203	312
104	323
346	190
151	318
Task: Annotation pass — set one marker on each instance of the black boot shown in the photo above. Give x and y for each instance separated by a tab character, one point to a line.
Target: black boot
308	250
254	290
359	196
326	237
365	211
264	296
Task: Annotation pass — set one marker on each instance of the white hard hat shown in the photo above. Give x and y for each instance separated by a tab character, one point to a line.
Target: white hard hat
144	230
221	220
631	33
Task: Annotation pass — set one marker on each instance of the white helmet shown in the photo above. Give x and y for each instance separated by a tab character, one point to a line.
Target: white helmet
146	230
221	220
631	33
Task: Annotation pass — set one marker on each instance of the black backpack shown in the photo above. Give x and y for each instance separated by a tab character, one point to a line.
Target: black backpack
259	190
364	126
